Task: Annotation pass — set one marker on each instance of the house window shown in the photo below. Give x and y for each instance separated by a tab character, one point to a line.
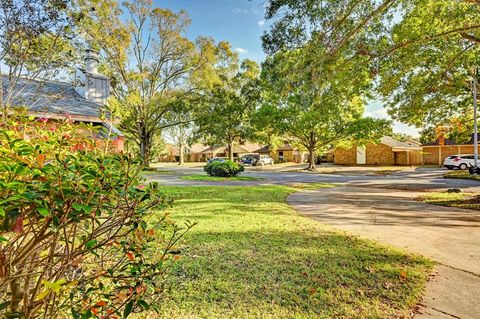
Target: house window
280	156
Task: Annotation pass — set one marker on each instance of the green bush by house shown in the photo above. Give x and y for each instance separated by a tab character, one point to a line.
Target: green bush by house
223	169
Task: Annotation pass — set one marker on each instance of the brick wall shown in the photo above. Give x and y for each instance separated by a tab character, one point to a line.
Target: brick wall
436	154
343	156
379	154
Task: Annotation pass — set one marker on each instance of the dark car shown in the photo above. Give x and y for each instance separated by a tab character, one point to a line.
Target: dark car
217	159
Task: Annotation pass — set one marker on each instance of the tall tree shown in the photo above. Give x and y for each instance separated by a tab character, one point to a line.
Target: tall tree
427	60
230	104
423	50
315	111
182	134
35	42
152	64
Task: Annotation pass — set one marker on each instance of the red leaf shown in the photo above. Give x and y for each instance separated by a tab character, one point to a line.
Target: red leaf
18	226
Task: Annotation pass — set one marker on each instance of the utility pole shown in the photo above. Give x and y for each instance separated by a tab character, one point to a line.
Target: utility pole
475	125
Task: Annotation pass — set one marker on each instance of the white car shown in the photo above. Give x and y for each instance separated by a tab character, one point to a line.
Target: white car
461	161
264	160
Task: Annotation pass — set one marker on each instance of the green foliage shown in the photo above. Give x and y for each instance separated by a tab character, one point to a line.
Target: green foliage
426	61
228	106
315	111
154	67
223	169
78	235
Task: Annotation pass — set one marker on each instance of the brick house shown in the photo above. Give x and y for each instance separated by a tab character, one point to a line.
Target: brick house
284	153
82	101
388	152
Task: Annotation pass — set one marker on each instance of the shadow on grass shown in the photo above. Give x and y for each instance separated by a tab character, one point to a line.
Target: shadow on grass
251	256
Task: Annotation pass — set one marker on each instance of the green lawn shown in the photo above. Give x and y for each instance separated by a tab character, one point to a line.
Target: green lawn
205	177
461	175
460	200
252	256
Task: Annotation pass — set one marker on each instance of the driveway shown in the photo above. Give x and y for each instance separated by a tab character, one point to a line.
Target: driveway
448	235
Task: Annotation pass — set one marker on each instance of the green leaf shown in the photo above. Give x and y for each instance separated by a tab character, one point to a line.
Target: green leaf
143	304
4	240
4	305
43	211
128	309
91	243
2	212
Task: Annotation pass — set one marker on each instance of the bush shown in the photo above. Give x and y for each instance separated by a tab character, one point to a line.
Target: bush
223	169
78	237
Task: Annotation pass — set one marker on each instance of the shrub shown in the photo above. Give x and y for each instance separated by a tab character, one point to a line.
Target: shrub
77	234
223	169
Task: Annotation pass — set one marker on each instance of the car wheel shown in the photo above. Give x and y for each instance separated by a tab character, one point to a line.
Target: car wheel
462	166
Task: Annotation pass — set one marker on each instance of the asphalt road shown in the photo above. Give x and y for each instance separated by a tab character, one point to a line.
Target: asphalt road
418	179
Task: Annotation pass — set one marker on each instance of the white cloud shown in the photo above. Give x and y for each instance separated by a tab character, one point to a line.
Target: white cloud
242	11
378	113
261	23
241	50
381	113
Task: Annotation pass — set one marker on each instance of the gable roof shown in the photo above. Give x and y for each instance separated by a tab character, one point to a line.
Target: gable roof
393	143
267	148
53	98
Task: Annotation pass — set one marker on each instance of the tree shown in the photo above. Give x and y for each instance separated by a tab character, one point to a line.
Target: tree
318	111
230	104
427	60
35	42
151	63
181	135
423	49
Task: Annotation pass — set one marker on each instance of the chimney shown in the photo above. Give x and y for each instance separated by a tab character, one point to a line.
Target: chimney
90	84
91	60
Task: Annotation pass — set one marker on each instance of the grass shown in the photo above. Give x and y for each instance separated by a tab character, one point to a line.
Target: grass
252	256
461	175
156	172
204	177
460	200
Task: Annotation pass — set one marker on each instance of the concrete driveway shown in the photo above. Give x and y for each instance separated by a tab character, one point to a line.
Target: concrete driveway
448	235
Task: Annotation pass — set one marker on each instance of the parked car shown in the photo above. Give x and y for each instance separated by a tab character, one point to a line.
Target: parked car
263	160
249	159
461	161
217	159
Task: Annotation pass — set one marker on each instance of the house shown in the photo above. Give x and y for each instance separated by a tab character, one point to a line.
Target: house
82	101
222	151
388	152
284	153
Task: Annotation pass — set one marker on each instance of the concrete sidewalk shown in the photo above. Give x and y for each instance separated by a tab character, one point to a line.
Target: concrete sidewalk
448	235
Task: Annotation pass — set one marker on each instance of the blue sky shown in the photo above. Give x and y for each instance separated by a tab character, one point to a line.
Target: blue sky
241	22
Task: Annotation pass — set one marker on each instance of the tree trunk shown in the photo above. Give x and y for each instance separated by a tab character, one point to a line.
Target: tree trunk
182	149
230	151
145	143
311	159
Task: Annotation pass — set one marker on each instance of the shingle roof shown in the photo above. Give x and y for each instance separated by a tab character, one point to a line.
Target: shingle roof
387	140
52	97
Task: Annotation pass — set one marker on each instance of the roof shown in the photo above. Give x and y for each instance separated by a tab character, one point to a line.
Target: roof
266	149
223	149
52	97
393	143
197	148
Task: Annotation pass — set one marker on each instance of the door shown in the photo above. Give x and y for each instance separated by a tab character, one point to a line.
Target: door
361	155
